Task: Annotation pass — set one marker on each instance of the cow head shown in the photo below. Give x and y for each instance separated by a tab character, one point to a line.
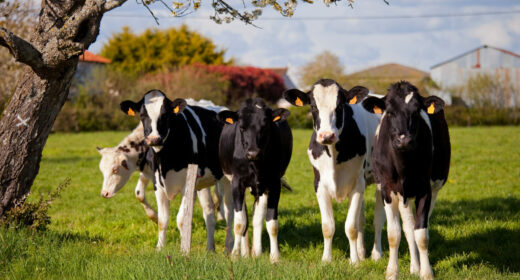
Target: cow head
402	107
116	168
254	120
327	100
155	111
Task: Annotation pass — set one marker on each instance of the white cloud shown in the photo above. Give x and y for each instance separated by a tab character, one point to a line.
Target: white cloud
493	33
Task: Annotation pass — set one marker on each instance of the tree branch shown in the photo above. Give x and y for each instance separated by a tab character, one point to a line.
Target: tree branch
112	4
22	50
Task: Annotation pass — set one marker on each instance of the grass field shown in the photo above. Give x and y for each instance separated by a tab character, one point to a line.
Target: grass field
475	227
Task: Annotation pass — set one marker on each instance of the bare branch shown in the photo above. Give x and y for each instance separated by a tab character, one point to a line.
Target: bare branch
22	50
112	4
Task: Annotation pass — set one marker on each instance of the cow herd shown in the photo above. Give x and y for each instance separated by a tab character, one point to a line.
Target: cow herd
400	142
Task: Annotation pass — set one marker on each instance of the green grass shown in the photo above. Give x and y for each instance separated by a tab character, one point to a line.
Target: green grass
475	228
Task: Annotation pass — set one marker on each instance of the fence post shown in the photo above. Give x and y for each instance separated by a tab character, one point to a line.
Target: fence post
189	193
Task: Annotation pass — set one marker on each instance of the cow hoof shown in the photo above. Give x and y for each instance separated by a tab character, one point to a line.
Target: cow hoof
361	255
392	274
274	259
427	274
376	255
326	259
414	269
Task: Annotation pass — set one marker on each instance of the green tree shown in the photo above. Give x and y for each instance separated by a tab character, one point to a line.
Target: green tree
324	65
155	50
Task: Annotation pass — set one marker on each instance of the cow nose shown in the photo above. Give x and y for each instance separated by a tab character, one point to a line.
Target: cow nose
105	194
327	137
153	140
252	155
403	143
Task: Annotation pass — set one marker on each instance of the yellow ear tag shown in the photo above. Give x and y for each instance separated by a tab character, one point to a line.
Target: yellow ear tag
353	100
176	109
131	112
431	109
276	118
377	110
298	102
229	120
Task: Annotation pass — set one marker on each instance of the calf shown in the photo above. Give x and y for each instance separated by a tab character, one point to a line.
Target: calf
411	159
339	152
118	163
178	135
255	150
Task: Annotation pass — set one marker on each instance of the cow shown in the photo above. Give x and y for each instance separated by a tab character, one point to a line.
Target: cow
179	134
255	150
411	160
118	163
339	151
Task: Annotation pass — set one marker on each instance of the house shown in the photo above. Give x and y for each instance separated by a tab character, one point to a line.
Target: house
501	66
88	64
287	82
379	78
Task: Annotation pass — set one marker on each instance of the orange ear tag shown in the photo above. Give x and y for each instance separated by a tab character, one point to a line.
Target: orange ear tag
353	100
131	112
298	102
276	118
229	120
377	110
431	109
176	109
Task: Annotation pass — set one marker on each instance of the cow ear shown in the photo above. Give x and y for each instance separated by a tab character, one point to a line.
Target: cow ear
433	104
356	94
100	150
374	105
296	97
227	117
178	105
280	114
130	108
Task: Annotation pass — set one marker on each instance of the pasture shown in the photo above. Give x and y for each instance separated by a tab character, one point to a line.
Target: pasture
474	234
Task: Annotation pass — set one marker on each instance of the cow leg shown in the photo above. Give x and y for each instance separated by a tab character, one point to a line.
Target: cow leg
181	213
258	223
361	226
271	223
408	228
327	221
379	221
225	189
217	200
436	187
240	226
208	210
351	230
140	195
423	208
394	237
244	245
163	209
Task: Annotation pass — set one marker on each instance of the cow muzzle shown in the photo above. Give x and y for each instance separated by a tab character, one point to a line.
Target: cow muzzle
327	138
107	194
153	140
403	143
252	155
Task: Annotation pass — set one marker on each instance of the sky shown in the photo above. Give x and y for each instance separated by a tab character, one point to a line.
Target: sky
369	34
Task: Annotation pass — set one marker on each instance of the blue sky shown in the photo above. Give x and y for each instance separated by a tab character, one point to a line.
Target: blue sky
360	43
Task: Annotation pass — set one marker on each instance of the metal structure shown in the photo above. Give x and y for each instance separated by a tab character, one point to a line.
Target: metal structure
500	65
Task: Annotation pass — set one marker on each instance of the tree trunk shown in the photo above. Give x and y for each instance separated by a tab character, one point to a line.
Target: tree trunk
65	29
24	129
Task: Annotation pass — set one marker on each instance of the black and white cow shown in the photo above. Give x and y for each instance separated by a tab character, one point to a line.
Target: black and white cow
179	135
255	150
118	163
339	151
411	159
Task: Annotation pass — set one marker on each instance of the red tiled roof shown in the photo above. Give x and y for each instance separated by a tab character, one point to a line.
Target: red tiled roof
91	57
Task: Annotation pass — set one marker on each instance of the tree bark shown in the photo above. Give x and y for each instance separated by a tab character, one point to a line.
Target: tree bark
65	29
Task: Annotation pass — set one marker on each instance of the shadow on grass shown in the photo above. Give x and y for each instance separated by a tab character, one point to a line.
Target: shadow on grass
69	160
492	244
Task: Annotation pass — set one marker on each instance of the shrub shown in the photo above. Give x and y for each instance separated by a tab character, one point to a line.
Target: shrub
300	117
32	215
